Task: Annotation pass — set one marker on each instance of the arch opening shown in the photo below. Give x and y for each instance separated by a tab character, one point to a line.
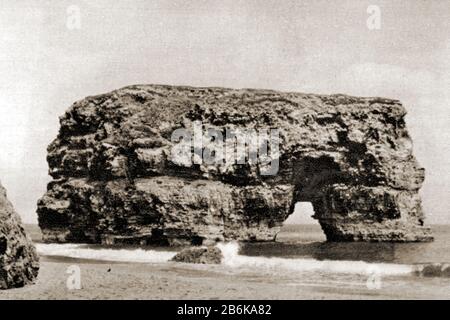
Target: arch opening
300	226
302	214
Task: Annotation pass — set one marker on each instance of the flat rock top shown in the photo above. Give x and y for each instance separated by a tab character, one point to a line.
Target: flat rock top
166	97
218	92
165	108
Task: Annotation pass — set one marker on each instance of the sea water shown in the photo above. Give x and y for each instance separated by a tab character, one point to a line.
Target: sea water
302	257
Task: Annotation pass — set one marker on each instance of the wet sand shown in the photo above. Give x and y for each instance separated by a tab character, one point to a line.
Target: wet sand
105	280
170	280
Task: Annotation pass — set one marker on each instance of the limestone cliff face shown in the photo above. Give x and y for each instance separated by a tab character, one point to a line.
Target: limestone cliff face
115	179
19	263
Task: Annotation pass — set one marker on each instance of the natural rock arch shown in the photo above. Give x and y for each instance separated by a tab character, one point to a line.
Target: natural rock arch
116	180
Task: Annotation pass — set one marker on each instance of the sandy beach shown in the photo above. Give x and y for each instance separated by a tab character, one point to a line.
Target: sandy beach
101	279
104	280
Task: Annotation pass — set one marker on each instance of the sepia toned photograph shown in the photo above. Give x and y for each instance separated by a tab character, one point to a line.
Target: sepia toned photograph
248	151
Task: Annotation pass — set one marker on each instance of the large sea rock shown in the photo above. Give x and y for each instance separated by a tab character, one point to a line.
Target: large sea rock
19	262
117	179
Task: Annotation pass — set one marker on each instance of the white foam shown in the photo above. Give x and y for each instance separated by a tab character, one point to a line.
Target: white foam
234	260
83	251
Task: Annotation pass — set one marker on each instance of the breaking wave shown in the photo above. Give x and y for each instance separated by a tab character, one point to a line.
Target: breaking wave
234	261
84	251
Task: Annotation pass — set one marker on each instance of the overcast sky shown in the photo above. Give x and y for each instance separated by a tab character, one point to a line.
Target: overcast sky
307	46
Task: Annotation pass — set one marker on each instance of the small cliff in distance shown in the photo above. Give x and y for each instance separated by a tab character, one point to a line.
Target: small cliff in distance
115	179
19	262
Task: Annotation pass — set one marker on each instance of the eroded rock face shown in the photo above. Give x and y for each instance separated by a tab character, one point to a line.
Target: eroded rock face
115	179
19	262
